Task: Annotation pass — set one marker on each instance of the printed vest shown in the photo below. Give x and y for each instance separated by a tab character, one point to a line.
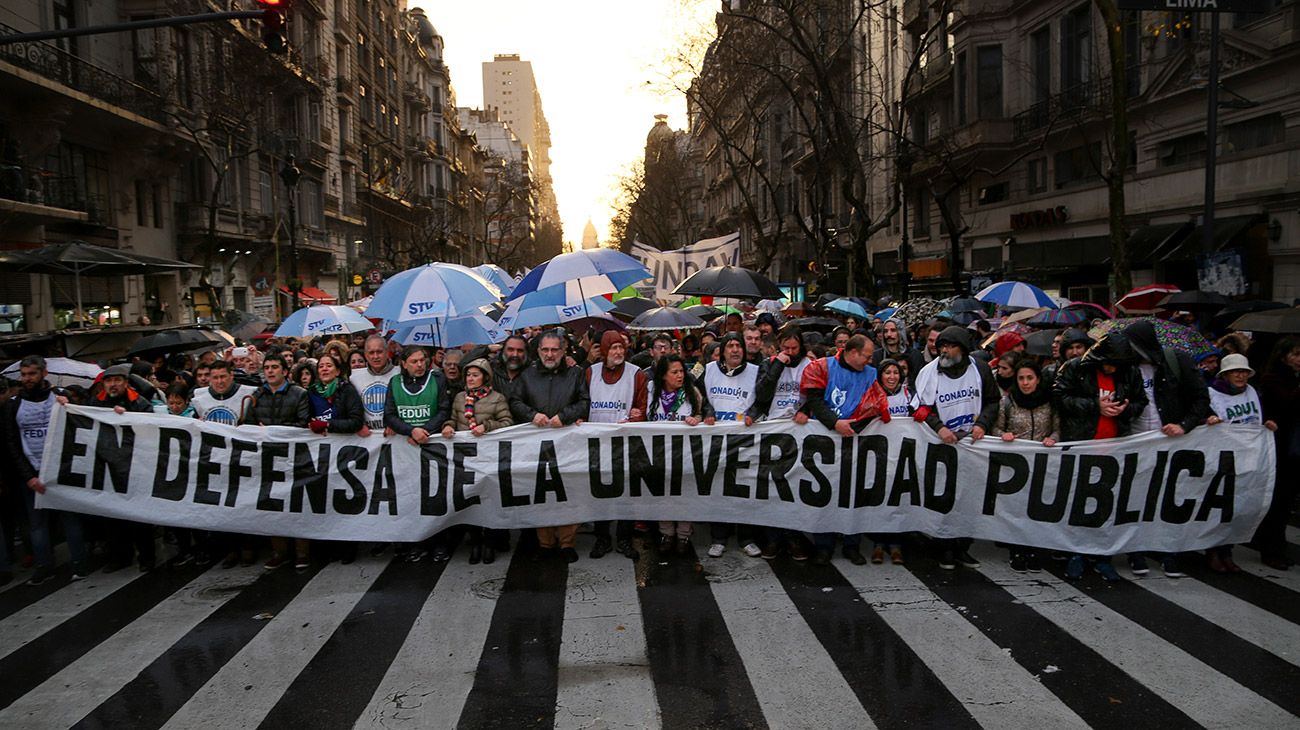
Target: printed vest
33	423
899	403
415	408
1243	408
845	388
959	401
229	411
374	391
730	396
788	398
611	403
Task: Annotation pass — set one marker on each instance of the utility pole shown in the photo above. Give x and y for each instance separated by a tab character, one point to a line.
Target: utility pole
290	175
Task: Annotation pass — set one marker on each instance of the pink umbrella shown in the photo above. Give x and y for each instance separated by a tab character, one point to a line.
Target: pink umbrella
1145	299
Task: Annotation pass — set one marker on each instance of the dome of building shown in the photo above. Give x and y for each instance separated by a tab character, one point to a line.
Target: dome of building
425	30
660	132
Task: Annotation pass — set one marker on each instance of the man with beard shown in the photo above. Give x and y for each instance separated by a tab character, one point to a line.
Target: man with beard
26	421
618	395
957	396
895	347
551	394
372	383
729	385
778	397
1074	342
125	538
510	365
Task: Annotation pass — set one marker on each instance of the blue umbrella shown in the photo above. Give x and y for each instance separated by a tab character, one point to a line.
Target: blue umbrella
847	306
886	313
323	319
572	278
496	275
1016	294
527	312
471	329
433	290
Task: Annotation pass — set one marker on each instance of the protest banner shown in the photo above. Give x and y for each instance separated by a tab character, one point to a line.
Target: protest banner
671	268
1146	492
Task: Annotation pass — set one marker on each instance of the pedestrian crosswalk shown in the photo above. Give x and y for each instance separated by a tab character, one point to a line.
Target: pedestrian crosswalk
662	642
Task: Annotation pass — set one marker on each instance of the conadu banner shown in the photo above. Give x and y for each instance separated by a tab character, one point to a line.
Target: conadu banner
1147	492
672	267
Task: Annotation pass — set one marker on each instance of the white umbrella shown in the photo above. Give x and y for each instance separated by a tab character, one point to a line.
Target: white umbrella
429	291
520	314
323	319
62	372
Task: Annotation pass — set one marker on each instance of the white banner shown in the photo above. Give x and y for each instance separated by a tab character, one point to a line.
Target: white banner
671	268
1147	492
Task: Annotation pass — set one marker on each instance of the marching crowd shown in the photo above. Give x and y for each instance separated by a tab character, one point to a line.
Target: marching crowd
936	373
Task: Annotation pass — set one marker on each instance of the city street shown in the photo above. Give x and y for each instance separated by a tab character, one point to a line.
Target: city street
733	642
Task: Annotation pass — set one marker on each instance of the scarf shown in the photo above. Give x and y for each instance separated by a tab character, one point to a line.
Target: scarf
1007	384
1226	388
325	391
473	395
671	402
1035	399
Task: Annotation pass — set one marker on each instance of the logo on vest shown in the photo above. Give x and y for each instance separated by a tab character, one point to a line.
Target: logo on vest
956	395
374	398
608	405
1239	411
838	397
221	414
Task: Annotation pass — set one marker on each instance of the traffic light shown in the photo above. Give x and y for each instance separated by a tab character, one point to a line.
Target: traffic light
273	31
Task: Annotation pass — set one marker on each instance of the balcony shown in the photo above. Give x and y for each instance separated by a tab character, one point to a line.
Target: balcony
1072	104
55	64
38	195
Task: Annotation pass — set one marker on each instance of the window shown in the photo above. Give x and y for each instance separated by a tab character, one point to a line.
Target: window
1040	51
989	82
995	193
1079	165
1076	48
1132	20
959	78
313	121
921	215
1258	132
264	190
156	198
1185	150
142	206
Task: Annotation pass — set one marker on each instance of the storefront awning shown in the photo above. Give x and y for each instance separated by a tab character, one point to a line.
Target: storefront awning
310	295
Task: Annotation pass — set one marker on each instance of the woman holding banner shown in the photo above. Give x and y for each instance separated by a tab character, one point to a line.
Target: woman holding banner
479	409
673	396
891	383
1027	412
336	408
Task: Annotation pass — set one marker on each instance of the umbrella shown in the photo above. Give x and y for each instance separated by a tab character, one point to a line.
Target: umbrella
797	309
1058	318
469	329
1027	314
886	313
729	281
817	323
79	257
915	312
707	312
1093	310
178	340
962	318
633	306
825	299
666	318
1281	321
1015	294
496	275
323	319
1169	334
1040	342
246	325
769	305
1194	300
62	372
847	307
1233	311
432	290
520	314
362	304
576	277
1145	299
966	304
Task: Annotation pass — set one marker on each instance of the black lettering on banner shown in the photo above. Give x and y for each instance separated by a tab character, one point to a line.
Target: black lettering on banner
1100	489
643	468
71	448
1183	460
179	441
846	473
385	486
731	487
1040	510
1153	489
677	441
1123	513
433	502
549	478
935	456
599	489
995	484
113	458
238	471
505	478
906	482
875	448
310	476
816	492
207	468
1222	491
272	450
706	465
354	503
776	457
462	477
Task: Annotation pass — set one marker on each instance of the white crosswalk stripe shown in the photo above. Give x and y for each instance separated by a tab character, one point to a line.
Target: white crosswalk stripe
33	621
1251	623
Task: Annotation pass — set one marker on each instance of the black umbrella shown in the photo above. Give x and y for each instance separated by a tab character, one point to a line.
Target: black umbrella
1040	342
705	312
246	325
178	340
1232	312
666	318
630	307
1194	300
966	304
729	281
1280	321
817	323
825	299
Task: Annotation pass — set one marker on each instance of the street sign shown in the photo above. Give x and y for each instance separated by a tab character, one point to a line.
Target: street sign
1200	6
375	277
356	280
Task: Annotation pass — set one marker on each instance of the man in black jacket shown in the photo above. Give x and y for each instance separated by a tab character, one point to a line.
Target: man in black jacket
551	394
279	402
125	538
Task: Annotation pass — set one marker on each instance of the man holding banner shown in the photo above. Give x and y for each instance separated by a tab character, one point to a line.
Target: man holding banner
372	382
417	406
730	387
618	395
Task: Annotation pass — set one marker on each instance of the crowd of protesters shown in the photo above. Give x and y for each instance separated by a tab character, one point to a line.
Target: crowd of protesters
953	379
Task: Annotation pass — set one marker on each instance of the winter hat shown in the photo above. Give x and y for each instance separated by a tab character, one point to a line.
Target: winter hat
483	365
1006	342
609	338
954	335
120	370
1235	362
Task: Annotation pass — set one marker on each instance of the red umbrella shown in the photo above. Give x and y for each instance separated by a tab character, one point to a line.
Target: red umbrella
1145	299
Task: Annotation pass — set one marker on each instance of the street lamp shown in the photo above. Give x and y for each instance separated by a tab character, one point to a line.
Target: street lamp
290	175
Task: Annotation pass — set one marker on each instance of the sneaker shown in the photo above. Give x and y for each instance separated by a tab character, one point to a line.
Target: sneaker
1019	563
968	560
752	550
667	543
441	554
301	564
41	575
80	571
771	550
798	552
1170	566
626	550
1034	563
947	560
183	560
1074	567
1138	564
1231	565
1106	571
821	557
602	547
1217	564
717	549
683	546
275	562
231	561
569	554
416	555
896	556
877	555
854	555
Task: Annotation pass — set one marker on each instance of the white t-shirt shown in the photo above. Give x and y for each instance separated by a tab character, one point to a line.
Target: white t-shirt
374	391
33	423
1149	420
730	396
899	403
229	411
1241	408
957	401
611	403
788	398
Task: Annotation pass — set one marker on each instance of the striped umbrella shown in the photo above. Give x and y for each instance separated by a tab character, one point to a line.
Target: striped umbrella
1015	294
1145	299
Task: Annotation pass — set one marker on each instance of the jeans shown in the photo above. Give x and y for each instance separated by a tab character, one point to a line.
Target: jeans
720	531
826	540
38	519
